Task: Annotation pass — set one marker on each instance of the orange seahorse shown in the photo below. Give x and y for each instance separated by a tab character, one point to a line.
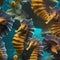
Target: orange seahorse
37	50
19	40
21	36
42	9
33	51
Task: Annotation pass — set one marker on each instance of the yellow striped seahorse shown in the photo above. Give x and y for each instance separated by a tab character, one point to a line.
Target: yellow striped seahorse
33	51
42	9
21	36
55	27
36	52
52	44
19	40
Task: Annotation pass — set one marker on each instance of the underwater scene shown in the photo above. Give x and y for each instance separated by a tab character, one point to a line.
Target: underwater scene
29	29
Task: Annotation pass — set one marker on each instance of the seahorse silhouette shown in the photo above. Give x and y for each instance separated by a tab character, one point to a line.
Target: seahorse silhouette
6	24
24	32
40	9
52	44
34	50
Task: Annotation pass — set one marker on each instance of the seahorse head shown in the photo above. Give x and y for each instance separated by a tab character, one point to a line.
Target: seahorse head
23	29
26	27
30	25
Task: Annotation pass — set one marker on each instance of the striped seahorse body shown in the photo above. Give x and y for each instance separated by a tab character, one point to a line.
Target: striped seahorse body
34	55
40	9
21	37
6	24
34	50
19	41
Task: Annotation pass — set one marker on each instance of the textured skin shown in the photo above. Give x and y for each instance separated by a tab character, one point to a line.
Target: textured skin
33	51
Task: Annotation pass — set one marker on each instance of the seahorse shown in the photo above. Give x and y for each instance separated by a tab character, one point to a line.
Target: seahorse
49	40
36	52
33	51
6	24
55	27
41	8
23	33
17	12
52	44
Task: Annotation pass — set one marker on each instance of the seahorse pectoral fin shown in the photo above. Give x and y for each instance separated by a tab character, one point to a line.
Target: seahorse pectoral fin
29	45
32	44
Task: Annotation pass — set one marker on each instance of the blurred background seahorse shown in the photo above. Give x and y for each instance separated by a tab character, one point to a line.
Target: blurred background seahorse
43	9
52	44
16	10
6	24
46	10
